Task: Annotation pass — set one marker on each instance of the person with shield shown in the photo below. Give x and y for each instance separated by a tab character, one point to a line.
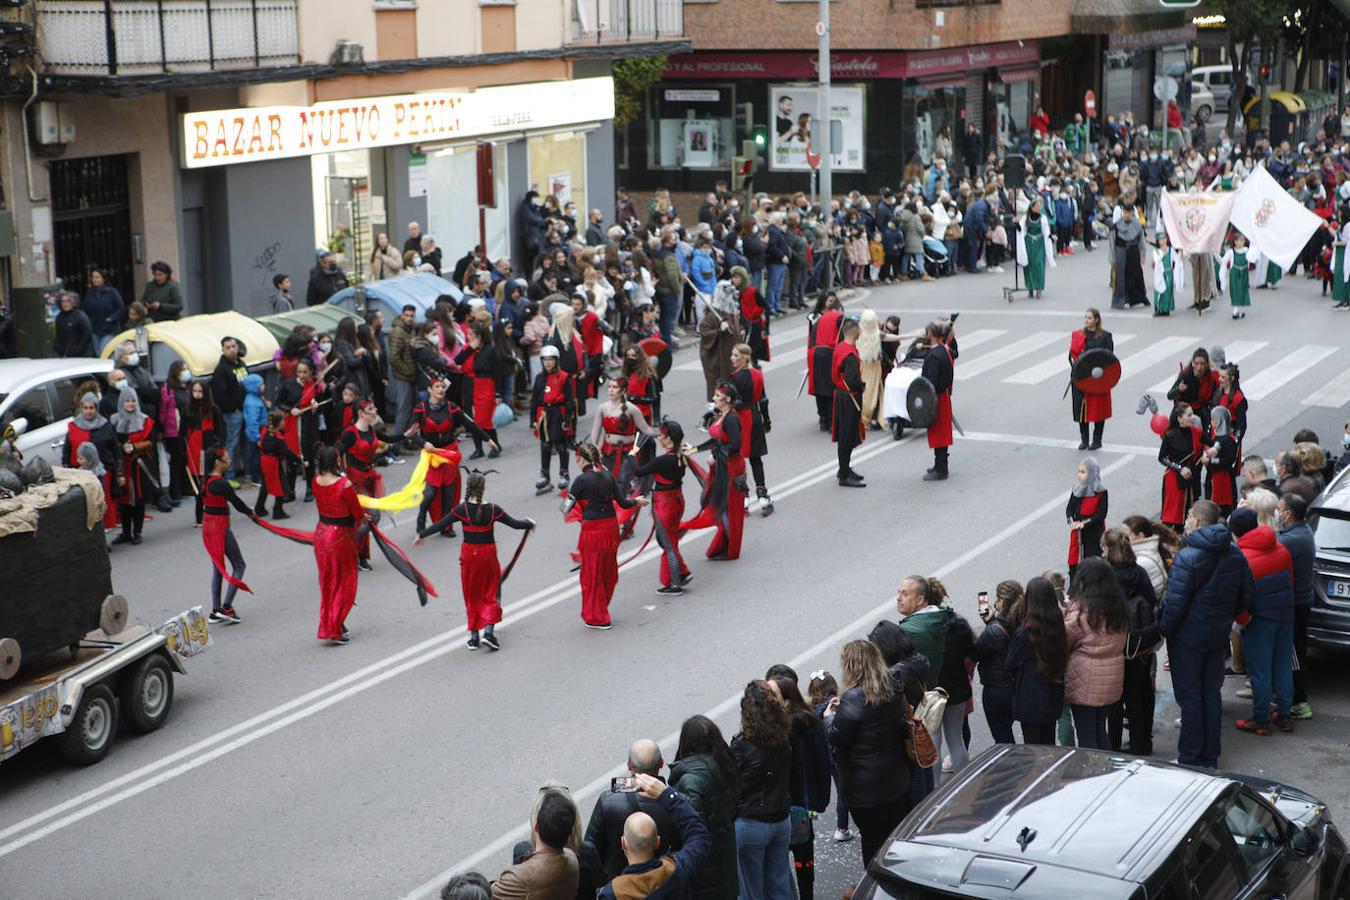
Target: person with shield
1091	349
939	367
848	429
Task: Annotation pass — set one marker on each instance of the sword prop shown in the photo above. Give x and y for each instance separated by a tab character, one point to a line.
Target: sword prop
801	387
145	470
506	573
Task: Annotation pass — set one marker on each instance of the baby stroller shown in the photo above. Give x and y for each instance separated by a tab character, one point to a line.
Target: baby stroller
936	260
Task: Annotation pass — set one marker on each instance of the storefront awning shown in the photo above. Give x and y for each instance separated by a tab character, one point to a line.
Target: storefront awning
1123	17
1012	76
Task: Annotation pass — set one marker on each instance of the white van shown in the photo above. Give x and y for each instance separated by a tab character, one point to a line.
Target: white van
1219	81
37	397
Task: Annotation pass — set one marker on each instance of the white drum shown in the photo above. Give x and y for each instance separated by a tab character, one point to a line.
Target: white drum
897	389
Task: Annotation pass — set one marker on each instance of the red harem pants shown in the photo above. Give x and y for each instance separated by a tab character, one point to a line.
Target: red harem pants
480	576
668	507
335	553
727	541
599	549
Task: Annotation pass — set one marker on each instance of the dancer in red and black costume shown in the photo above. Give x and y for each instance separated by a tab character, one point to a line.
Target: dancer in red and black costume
135	439
571	354
1086	514
592	330
89	426
597	493
200	426
939	367
335	544
667	473
553	418
753	411
274	458
724	489
480	572
359	445
822	333
1221	458
1232	399
217	497
439	421
644	385
616	426
1196	385
1180	456
299	398
478	360
1092	409
847	429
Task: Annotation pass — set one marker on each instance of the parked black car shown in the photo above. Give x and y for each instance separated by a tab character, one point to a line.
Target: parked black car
1329	517
1030	821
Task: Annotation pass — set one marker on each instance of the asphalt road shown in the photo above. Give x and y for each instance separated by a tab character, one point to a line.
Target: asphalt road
297	769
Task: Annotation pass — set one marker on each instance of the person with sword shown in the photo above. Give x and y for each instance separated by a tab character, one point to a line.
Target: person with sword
135	440
940	370
848	429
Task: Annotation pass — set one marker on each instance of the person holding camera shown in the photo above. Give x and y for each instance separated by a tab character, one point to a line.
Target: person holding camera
671	874
602	851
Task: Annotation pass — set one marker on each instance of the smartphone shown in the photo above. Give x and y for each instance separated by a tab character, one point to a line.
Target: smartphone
626	784
982	603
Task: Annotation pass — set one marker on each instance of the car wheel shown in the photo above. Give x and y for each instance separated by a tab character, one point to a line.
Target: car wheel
147	694
90	733
1203	114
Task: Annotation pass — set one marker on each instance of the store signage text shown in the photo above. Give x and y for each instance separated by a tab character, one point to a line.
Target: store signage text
225	137
880	64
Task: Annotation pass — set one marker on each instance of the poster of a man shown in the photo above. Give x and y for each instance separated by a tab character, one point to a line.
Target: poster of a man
784	122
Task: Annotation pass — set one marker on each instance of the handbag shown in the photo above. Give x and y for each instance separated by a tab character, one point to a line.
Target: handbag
931	709
919	746
802	832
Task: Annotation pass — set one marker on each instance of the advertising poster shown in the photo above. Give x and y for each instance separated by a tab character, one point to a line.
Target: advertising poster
795	106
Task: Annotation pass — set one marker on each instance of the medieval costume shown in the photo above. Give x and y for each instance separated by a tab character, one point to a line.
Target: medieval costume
480	367
553	418
275	457
754	318
1234	275
847	429
1235	402
336	554
1035	250
597	493
298	400
217	497
1168	279
359	447
1196	391
134	431
872	365
667	473
571	354
1202	279
1222	462
723	502
439	424
753	410
1268	272
591	330
1179	455
719	331
1092	409
480	572
821	336
1340	268
97	432
940	369
1087	504
1127	245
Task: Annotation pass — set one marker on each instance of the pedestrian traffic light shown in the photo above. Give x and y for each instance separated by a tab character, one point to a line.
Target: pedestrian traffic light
742	173
761	136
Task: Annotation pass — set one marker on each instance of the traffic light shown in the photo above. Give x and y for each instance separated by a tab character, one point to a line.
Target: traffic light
745	119
742	173
761	136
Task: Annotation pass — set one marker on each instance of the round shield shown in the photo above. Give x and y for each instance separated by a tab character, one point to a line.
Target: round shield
1096	371
921	402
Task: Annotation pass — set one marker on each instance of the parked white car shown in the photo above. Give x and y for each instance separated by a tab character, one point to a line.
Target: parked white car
1202	103
1218	80
37	397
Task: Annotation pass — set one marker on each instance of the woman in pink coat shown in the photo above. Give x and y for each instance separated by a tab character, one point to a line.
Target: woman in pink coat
1097	622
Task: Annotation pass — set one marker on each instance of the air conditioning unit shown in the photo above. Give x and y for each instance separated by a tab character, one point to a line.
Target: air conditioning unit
55	123
348	53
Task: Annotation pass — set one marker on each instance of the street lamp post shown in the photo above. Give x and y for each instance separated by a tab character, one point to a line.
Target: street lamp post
823	113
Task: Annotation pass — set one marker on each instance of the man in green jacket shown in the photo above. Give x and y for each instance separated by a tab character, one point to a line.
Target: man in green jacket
1076	135
924	624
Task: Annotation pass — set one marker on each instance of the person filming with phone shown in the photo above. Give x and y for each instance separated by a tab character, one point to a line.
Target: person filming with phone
669	874
602	849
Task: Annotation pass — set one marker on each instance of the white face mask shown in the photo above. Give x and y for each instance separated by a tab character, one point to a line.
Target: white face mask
434	338
115	386
324	347
133	359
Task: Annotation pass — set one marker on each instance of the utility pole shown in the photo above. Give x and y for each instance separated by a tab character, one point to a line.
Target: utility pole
823	114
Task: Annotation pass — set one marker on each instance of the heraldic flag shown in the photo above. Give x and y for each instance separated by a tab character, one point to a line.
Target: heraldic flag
1197	222
1277	226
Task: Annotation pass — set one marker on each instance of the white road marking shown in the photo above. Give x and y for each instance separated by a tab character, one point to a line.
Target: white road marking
494	849
1234	352
1334	394
1005	354
1272	378
1038	441
978	337
1055	365
1138	363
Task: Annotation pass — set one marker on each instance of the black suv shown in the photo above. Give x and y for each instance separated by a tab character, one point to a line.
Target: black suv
1030	821
1329	517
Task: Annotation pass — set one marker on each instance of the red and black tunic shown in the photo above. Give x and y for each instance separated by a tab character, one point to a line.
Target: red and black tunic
846	377
359	449
820	340
572	360
480	571
939	367
597	494
274	450
667	474
105	444
753	410
553	407
612	450
301	432
756	325
1086	541
217	498
1180	450
1089	407
1198	392
1221	473
336	551
133	492
644	393
1236	404
480	365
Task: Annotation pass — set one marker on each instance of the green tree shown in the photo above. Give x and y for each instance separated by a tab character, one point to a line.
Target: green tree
1250	23
1313	29
632	77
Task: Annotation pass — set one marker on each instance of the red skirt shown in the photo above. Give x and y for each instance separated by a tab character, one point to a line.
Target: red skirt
1222	489
1176	499
668	507
599	550
214	528
940	432
271	469
290	433
747	417
1096	407
335	553
484	402
480	575
109	504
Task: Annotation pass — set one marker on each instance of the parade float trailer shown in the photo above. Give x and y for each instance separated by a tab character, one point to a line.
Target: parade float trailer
72	665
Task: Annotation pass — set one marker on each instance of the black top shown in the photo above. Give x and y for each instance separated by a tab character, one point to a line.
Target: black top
1178	451
220	487
667	470
937	368
731	439
478	519
227	388
597	492
273	445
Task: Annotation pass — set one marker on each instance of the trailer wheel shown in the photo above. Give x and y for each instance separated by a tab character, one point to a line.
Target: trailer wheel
112	617
91	731
147	694
10	658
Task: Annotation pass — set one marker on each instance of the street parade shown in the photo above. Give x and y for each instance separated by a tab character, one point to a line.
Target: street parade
619	510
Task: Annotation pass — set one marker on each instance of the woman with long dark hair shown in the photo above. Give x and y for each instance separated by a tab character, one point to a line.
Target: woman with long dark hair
597	493
1096	625
480	572
217	497
438	421
375	362
866	730
724	487
1180	457
706	774
808	779
991	652
1136	702
752	408
1036	660
173	402
353	354
200	422
300	398
667	473
478	361
644	385
359	444
335	544
763	755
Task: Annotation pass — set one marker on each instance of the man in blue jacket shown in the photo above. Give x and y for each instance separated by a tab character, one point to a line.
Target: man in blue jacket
1209	585
667	876
1298	539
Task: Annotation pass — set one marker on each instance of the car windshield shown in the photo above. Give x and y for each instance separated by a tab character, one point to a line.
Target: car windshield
1332	530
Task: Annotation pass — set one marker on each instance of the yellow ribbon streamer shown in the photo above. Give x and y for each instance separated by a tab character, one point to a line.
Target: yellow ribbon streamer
410	495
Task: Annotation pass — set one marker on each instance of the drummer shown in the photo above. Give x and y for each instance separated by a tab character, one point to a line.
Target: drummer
1090	408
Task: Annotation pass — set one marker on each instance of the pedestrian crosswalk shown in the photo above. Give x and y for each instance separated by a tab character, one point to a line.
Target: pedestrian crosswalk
1269	380
1334	394
1005	354
1235	352
1055	365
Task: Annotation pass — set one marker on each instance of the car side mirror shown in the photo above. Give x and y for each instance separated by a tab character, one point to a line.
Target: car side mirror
1303	842
20	425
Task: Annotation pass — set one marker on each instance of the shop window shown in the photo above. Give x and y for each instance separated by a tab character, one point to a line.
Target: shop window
939	120
396	32
691	126
498	30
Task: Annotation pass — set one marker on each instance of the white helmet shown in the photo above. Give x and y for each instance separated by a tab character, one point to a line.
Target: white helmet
549	352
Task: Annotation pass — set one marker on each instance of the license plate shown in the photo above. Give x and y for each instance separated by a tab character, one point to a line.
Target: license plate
1338	589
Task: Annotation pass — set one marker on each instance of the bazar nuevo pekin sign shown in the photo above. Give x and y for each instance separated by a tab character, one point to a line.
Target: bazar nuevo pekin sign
252	134
855	64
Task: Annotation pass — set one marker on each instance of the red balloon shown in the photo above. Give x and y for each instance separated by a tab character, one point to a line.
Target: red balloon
1159	424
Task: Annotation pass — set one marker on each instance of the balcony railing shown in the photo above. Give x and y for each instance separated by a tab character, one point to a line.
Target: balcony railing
623	21
145	37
